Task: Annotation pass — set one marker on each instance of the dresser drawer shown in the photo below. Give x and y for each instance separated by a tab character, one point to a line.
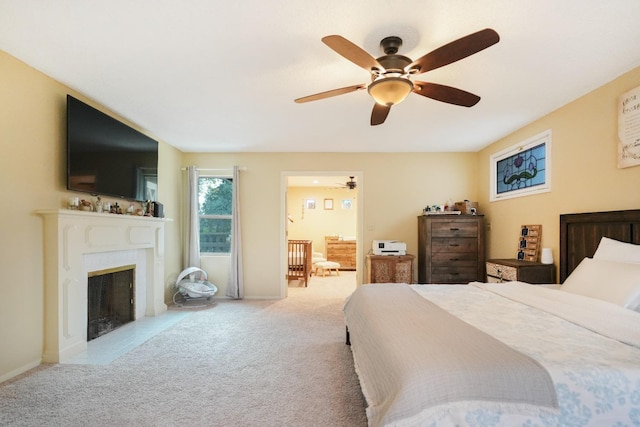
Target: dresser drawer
461	259
454	274
454	229
464	244
503	272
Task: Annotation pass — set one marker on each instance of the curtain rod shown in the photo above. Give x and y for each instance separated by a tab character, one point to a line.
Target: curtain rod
241	168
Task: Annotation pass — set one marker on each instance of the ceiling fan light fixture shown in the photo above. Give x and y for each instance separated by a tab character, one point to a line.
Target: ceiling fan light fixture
390	90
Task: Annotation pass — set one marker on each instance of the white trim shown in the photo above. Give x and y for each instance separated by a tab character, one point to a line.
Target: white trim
284	175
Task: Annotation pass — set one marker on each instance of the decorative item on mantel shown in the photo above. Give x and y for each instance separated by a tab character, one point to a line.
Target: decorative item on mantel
86	205
74	203
98	204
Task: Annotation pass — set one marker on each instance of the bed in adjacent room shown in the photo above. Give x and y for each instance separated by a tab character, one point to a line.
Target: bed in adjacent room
488	354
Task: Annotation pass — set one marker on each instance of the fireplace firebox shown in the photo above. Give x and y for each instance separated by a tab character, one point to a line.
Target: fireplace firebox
110	302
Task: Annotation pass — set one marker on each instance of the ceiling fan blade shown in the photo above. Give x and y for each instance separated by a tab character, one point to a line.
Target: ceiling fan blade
330	93
379	114
455	51
447	94
352	52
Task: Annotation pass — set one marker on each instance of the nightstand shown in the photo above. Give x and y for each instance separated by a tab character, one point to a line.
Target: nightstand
389	269
506	270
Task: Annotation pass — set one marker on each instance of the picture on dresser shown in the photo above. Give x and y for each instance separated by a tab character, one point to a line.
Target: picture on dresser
529	243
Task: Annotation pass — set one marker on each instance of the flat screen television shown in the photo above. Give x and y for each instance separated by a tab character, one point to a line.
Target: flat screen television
105	157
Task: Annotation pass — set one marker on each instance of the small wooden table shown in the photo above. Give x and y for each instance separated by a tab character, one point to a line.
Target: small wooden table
389	269
506	270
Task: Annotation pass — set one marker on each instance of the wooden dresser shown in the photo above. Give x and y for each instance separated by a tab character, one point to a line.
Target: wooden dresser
341	251
451	249
389	269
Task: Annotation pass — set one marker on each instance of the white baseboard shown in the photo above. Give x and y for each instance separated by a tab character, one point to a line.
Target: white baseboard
20	370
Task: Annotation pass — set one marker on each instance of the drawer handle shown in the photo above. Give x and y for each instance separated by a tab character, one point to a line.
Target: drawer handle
454	229
455	274
454	244
454	259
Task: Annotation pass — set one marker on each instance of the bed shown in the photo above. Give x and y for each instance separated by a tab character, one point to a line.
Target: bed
299	262
509	354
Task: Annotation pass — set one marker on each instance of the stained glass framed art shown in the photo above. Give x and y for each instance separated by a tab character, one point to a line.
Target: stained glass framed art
523	169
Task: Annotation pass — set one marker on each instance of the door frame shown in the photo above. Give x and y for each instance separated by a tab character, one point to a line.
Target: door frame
284	223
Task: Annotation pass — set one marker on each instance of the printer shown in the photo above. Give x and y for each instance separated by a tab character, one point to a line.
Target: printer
389	247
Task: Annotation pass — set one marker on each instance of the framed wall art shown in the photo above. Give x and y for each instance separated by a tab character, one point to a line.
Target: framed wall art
523	169
629	129
328	204
310	203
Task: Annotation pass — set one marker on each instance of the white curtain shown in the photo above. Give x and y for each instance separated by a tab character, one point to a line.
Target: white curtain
235	287
192	244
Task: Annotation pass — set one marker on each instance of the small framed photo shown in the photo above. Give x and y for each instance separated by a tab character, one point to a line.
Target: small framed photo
346	204
310	203
328	204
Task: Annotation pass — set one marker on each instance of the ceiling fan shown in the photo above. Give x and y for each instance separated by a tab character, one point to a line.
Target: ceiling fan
351	184
390	74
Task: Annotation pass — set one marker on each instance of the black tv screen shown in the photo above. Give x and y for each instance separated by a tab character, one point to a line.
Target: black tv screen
105	157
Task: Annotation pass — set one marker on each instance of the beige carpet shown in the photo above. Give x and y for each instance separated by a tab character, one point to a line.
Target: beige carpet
239	363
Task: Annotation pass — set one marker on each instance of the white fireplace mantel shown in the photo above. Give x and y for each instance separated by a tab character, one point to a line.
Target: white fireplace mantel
69	236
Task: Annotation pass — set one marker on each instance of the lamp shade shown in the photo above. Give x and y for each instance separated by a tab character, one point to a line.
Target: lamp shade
390	90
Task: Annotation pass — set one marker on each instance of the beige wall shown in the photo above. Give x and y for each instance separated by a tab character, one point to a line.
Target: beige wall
585	176
393	189
315	224
32	173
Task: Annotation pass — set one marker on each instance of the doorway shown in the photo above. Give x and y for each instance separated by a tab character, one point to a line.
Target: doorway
320	206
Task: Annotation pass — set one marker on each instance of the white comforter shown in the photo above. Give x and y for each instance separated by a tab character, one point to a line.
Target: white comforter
597	377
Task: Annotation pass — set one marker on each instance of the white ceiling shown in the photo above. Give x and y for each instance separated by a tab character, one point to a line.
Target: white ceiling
214	76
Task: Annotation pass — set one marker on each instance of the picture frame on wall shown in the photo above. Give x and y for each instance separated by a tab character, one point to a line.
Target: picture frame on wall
347	203
629	129
310	203
523	169
328	204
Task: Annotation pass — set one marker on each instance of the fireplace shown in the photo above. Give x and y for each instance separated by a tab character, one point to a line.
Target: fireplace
110	300
77	243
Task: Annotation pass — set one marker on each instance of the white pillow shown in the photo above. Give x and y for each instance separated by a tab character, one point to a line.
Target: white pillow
616	282
615	250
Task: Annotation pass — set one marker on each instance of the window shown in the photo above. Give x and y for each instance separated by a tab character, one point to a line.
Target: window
214	210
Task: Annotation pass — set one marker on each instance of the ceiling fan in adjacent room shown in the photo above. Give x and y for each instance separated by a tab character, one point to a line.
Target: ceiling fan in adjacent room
349	185
390	74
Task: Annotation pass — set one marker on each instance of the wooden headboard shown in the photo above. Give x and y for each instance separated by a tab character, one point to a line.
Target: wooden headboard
580	234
